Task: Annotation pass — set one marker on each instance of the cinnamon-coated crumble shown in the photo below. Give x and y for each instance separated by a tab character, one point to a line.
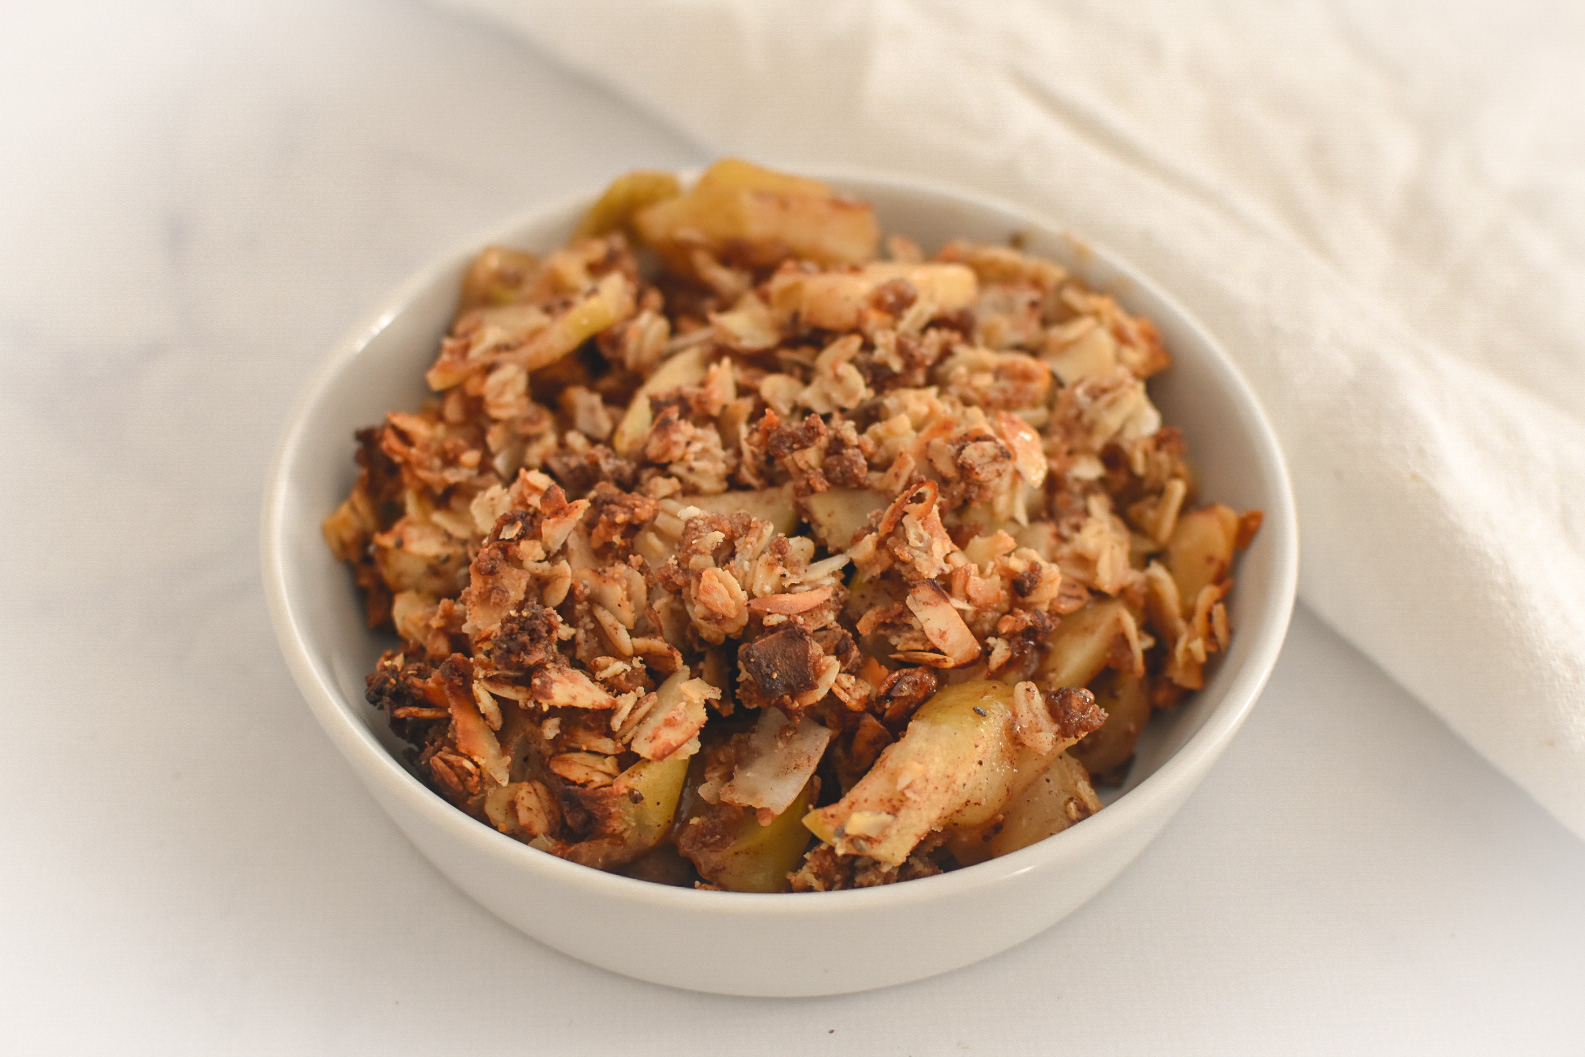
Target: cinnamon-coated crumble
731	553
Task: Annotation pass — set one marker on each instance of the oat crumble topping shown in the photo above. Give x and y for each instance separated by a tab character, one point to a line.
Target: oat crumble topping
728	553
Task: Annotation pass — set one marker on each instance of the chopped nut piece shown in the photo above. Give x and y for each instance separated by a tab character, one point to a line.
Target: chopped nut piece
782	665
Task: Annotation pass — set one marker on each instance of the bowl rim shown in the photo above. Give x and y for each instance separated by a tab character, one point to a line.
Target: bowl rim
1171	781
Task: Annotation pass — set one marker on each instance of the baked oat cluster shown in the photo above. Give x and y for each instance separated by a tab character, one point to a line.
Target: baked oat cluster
729	553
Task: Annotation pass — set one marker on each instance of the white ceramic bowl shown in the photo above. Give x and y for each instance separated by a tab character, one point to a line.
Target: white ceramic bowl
745	944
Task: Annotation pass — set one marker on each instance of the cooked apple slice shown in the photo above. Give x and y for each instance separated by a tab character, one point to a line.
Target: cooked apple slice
964	754
1059	796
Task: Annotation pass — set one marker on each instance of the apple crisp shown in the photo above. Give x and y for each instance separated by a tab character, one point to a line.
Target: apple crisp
734	552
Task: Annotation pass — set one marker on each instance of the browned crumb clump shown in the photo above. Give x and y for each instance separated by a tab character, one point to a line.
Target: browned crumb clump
728	551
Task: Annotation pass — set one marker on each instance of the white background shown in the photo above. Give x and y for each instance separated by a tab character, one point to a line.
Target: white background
194	202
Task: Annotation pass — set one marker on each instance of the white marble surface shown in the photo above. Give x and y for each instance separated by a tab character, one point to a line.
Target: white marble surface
194	201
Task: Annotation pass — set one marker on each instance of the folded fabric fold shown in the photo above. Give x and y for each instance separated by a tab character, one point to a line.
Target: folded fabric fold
1385	228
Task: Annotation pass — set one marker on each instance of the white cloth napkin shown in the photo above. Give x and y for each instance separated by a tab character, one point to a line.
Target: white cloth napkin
1378	208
